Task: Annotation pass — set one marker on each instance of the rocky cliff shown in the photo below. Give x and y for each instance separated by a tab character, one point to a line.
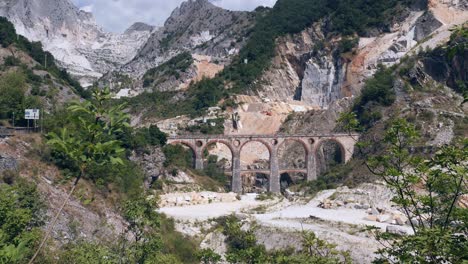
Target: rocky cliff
197	26
73	37
318	70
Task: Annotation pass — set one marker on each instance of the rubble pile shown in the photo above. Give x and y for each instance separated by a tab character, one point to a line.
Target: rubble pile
195	198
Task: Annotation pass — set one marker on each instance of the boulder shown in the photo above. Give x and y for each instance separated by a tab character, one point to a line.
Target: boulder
396	230
180	177
372	218
400	219
384	218
8	163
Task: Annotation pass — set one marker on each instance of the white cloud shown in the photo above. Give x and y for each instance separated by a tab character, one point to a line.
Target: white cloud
117	15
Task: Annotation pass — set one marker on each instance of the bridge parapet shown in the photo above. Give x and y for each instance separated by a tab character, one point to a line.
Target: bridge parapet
235	143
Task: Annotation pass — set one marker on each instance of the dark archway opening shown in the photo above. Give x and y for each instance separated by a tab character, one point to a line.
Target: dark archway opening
285	181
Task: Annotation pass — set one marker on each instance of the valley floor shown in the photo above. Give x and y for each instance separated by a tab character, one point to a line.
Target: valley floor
280	222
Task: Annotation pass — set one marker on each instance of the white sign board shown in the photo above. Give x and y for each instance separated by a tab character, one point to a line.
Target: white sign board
31	114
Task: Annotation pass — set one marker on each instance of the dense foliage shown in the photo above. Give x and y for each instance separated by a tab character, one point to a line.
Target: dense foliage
427	191
21	216
177	156
140	139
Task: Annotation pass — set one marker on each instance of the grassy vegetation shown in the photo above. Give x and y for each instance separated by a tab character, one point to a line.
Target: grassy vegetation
242	247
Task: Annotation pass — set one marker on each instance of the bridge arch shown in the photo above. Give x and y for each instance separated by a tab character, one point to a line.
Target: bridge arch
262	148
187	144
320	153
294	148
193	149
263	142
219	164
217	141
300	141
312	145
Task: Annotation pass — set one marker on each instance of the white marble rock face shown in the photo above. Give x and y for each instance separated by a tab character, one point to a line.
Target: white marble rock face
73	37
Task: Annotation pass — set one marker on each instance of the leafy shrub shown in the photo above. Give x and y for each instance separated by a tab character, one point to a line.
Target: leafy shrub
208	128
21	215
84	252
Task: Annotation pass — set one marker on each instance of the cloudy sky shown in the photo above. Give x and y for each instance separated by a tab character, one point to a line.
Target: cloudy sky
117	15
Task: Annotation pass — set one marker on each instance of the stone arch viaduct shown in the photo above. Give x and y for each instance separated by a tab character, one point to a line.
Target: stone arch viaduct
311	144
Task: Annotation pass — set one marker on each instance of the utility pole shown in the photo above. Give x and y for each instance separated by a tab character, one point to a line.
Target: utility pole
42	120
45	60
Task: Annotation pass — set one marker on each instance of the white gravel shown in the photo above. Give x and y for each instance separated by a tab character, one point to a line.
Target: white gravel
213	210
287	217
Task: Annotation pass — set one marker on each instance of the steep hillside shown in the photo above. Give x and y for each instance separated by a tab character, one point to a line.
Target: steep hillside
427	89
30	77
73	37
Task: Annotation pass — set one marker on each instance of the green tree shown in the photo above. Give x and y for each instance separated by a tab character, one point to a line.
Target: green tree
348	122
7	32
92	142
143	225
427	191
12	89
243	248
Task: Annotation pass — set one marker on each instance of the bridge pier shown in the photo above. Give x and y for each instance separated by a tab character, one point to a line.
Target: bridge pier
274	173
198	159
236	184
311	167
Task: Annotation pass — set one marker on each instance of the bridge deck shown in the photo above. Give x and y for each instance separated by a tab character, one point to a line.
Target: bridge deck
260	136
267	171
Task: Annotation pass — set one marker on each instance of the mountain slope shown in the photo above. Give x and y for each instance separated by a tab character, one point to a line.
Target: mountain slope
30	78
199	27
73	36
